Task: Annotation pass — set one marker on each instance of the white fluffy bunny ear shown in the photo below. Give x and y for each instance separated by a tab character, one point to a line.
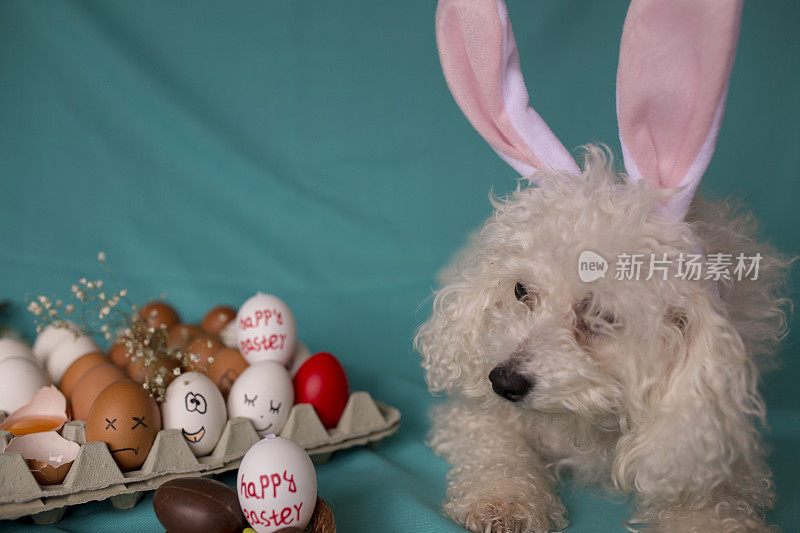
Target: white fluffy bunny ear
481	64
675	61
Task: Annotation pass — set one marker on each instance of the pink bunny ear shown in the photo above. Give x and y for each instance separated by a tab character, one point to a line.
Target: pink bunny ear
674	64
481	64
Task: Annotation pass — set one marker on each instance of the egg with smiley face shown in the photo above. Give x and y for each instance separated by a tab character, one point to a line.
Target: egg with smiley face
127	419
194	405
263	392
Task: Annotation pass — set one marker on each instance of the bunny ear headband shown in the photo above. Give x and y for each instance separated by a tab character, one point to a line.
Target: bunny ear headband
675	61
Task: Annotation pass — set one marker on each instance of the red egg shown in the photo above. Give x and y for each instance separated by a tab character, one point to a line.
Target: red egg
321	381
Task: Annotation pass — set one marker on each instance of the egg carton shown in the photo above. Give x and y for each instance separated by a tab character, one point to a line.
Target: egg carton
95	475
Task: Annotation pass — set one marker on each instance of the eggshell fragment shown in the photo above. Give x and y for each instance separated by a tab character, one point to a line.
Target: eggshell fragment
51	336
91	385
20	380
66	353
47	411
160	314
217	318
48	455
127	419
77	369
13	347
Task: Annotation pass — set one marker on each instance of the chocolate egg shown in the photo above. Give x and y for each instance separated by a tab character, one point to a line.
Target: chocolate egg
127	419
180	335
91	385
205	348
77	369
228	364
160	314
198	504
217	318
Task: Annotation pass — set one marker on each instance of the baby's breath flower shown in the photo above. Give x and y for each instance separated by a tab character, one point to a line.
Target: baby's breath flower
101	256
123	293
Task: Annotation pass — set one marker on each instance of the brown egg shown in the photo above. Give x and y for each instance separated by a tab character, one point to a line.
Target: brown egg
204	348
77	369
118	354
127	419
180	335
217	318
138	372
91	385
228	364
160	314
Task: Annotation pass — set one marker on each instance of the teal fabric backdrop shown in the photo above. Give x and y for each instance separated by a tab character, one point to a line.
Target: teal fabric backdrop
311	149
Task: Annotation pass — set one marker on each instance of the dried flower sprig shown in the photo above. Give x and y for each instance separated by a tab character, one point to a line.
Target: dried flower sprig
95	310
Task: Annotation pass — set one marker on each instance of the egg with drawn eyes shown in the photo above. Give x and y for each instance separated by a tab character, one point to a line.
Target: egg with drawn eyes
127	419
263	393
195	406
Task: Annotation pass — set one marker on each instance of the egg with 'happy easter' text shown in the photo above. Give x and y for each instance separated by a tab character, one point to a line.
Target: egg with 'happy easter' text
266	329
263	393
194	405
277	486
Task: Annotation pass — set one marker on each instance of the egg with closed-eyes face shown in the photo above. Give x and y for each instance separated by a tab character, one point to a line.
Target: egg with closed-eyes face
195	406
263	393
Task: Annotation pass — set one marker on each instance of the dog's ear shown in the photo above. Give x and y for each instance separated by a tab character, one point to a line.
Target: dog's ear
691	414
481	64
449	340
675	61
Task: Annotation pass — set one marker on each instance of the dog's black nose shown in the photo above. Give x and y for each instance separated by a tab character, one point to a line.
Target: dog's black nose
508	383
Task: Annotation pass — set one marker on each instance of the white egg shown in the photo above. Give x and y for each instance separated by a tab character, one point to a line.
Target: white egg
13	347
266	329
277	486
300	356
194	405
20	380
66	352
263	392
50	337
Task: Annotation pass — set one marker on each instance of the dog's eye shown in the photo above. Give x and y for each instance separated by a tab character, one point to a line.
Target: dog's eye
527	295
520	291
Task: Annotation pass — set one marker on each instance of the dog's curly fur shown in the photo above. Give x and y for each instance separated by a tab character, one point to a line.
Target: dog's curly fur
648	387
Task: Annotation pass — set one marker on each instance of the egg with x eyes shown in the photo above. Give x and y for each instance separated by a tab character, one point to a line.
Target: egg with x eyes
127	419
263	393
194	405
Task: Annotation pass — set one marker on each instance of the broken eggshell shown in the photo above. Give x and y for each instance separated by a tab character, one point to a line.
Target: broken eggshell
47	411
48	455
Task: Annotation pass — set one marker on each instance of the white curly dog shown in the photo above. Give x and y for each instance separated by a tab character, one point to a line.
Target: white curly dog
645	382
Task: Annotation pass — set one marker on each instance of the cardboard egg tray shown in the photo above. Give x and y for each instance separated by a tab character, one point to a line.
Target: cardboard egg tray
95	475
